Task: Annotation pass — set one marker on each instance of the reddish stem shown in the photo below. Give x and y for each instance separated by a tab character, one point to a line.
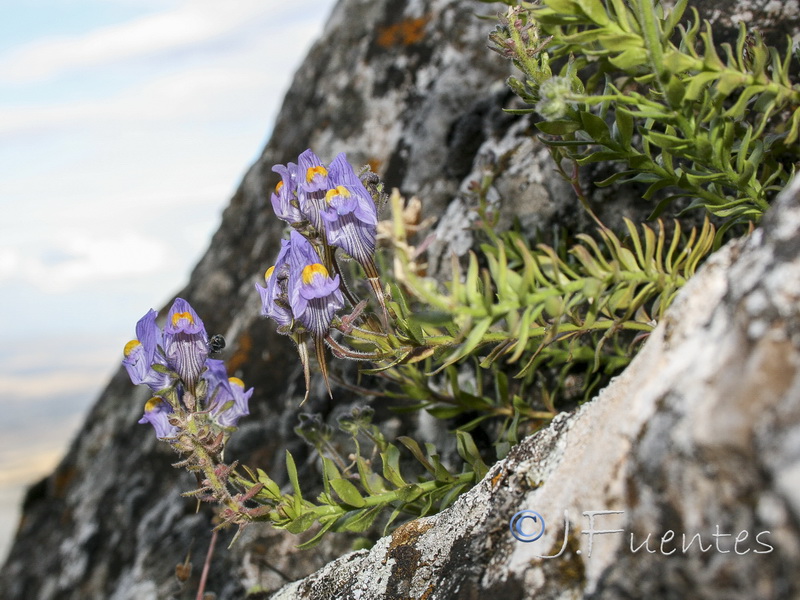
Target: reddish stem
206	567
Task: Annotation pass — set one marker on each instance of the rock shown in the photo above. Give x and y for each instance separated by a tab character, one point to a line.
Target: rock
409	87
681	479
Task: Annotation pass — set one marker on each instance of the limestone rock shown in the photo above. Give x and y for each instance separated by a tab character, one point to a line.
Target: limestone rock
681	479
409	87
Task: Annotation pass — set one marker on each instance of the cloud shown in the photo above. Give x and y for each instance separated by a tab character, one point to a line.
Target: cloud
192	24
19	389
79	258
239	81
38	354
194	94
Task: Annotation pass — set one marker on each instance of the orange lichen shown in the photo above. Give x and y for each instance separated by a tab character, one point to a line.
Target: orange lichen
404	33
61	480
240	357
498	478
408	533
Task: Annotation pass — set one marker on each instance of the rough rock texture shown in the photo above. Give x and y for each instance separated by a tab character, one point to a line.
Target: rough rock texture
699	436
409	87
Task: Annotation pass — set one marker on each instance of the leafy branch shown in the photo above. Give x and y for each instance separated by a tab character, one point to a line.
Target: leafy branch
638	88
517	327
355	494
529	302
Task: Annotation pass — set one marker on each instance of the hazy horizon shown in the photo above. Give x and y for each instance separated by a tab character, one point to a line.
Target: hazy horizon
125	128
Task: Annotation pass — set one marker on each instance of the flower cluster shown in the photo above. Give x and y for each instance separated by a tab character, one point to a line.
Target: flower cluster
332	199
174	363
299	288
329	209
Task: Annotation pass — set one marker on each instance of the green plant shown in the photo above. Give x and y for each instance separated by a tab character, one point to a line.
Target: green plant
519	330
636	87
547	310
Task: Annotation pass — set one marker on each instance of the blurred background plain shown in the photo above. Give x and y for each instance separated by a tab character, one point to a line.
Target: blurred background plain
125	127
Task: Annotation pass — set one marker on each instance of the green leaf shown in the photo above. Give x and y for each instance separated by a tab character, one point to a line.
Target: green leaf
470	453
360	520
347	492
595	127
442	474
291	469
301	522
624	18
675	91
595	10
472	283
329	473
656	187
528	318
564	7
414	448
409	493
370	481
673	17
600	156
669	142
452	494
625	126
613	178
738	109
629	60
391	466
618	42
698	84
558	127
729	81
269	485
326	523
678	62
474	338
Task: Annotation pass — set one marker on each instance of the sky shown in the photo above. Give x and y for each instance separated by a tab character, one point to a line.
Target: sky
125	127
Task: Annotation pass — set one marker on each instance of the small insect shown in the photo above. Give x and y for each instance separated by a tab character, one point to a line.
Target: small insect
216	344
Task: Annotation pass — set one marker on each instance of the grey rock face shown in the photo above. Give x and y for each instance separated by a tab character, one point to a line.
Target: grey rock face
409	87
690	461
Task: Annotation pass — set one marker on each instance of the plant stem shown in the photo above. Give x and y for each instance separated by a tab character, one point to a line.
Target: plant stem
201	589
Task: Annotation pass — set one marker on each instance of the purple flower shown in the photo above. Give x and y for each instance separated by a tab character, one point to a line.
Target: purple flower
142	353
274	299
284	200
312	183
227	399
314	296
185	342
349	216
156	412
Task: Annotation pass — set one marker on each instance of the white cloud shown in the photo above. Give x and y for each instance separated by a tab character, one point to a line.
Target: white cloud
190	95
240	82
79	258
111	132
18	389
87	353
193	23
